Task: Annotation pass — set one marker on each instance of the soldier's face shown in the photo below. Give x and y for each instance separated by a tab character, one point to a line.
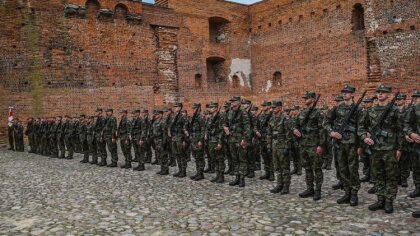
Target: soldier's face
277	110
109	113
400	102
308	101
382	96
346	96
236	103
177	109
99	113
416	100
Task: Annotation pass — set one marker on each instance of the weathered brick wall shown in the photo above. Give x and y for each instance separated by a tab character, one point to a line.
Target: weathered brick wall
56	60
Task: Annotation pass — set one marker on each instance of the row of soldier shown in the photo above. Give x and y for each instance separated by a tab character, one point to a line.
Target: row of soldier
382	131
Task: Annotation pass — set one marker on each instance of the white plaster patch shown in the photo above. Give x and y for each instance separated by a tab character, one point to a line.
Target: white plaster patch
242	69
268	86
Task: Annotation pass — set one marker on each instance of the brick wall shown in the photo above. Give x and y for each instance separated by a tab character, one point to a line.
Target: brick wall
70	56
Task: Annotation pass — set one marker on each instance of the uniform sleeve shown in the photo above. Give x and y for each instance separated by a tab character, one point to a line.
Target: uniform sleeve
247	126
363	124
328	123
322	131
409	120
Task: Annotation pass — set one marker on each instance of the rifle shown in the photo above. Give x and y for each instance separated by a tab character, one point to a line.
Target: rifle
377	131
305	128
345	127
194	117
174	122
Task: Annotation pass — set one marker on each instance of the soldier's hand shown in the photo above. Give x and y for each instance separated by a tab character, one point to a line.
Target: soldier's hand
219	146
319	151
254	141
141	142
398	155
336	135
126	142
408	139
258	133
186	133
359	151
200	144
415	137
113	140
297	133
368	141
226	129
244	144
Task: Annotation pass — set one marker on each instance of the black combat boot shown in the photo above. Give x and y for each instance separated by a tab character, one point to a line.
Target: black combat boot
276	189
85	160
299	172
228	170
208	168
215	179
344	199
182	174
102	163
164	172
294	171
127	165
365	178
155	162
271	176
251	174
338	185
389	207
159	172
416	214
354	199
415	193
140	167
404	183
265	176
242	181
194	176
235	181
177	174
172	163
112	165
380	204
199	177
307	193
94	161
317	195
221	179
285	190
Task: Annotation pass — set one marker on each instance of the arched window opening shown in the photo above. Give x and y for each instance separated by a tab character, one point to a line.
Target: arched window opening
358	17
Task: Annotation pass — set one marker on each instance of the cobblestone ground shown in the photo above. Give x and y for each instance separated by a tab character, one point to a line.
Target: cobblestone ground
44	196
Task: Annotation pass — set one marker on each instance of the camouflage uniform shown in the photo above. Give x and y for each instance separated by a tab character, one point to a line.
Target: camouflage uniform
99	139
137	134
60	139
68	135
384	162
124	129
404	162
176	131
110	137
197	128
83	139
265	149
53	139
30	134
214	135
158	135
18	136
90	139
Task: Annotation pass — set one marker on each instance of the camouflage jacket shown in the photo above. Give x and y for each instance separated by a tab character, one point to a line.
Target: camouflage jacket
82	131
137	128
262	125
110	127
99	126
177	127
313	134
18	130
197	129
214	129
412	120
277	131
158	131
391	127
124	129
239	125
68	129
90	132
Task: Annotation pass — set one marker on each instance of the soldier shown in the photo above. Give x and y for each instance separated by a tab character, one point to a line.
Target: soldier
386	153
110	136
328	157
238	129
412	136
30	133
294	144
37	141
348	143
225	144
60	137
18	135
53	137
83	138
197	128
265	148
158	131
211	163
367	103
146	149
44	137
166	143
276	137
404	163
135	137
176	132
339	185
123	132
76	134
68	135
308	129
99	138
90	138
214	136
10	131
250	160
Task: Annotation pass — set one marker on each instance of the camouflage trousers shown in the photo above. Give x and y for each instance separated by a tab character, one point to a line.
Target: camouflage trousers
219	158
415	161
101	148
161	155
295	156
253	152
61	147
112	148
312	163
126	150
93	149
11	138
69	145
198	154
404	165
281	163
348	166
53	146
267	157
239	157
364	158
385	170
179	153
226	152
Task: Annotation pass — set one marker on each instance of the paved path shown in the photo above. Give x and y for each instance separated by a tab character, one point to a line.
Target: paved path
44	196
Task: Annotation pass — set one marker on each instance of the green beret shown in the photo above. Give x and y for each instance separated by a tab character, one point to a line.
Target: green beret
296	108
384	88
226	104
401	96
287	110
145	110
254	108
416	94
213	104
309	95
178	104
368	100
158	111
266	104
82	116
99	109
235	99
109	110
135	111
246	101
348	89
276	103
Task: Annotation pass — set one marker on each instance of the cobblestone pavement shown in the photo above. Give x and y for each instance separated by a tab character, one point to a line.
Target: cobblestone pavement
44	196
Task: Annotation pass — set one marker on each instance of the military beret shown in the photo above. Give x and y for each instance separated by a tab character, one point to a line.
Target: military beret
384	88
368	100
401	96
339	98
226	104
266	104
348	89
67	116
416	94
82	116
109	110
99	109
325	107
135	111
91	117
178	104
213	104
296	108
123	111
255	108
158	111
145	110
59	117
235	99
309	95
287	110
375	97
246	101
196	105
276	103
